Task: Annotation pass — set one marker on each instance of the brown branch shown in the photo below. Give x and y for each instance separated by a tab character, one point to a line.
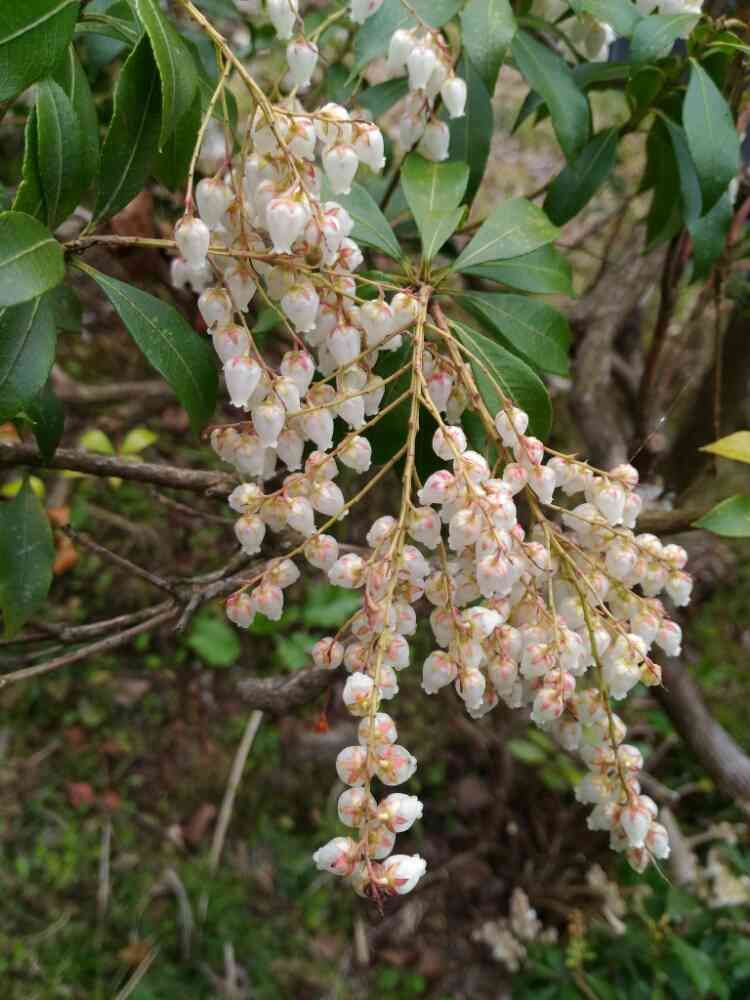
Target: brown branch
70	391
671	522
278	694
105	465
133	568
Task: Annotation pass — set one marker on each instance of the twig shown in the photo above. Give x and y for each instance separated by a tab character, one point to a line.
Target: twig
153	578
70	391
235	775
103	891
173	882
104	465
138	975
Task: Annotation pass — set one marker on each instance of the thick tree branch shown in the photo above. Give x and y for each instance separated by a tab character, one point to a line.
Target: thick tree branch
105	465
278	694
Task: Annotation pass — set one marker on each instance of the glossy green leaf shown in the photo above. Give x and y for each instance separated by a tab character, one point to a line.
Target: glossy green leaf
47	416
31	259
471	134
213	639
550	76
515	227
734	446
711	135
72	78
387	436
66	309
499	373
373	38
730	518
544	270
622	15
108	26
370	225
29	198
487	29
690	192
132	140
176	351
433	192
709	235
380	98
27	351
533	329
577	183
179	79
60	152
33	37
665	215
654	36
173	161
26	556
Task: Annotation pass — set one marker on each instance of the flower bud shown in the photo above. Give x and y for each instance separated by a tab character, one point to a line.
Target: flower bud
213	197
360	10
250	532
282	15
302	58
300	304
322	552
193	240
435	141
344	344
337	856
381	729
351	765
286	218
420	63
438	670
215	306
394	764
453	92
359	694
340	164
355	806
269	600
240	609
368	145
242	375
399	812
403	871
240	280
328	653
348	571
357	454
230	342
399	47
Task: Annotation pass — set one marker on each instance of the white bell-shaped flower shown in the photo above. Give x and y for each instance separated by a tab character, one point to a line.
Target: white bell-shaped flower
420	63
215	306
242	375
268	421
435	141
340	163
300	304
286	218
213	197
193	240
302	58
282	15
453	92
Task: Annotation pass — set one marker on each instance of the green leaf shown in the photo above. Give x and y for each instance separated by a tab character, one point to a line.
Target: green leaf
622	15
433	192
380	98
509	377
137	441
33	37
27	351
173	161
31	259
387	436
72	78
132	139
179	79
711	135
326	606
116	28
216	642
515	227
370	225
577	183
730	518
550	76
175	350
60	152
690	192
26	556
471	134
66	308
544	270
374	36
654	36
699	966
487	29
526	752
735	446
29	198
710	236
664	218
96	440
47	416
531	328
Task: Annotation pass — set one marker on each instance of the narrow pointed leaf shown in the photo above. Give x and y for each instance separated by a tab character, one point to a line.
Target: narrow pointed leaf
27	351
544	270
577	183
730	518
31	259
487	29
29	198
72	78
33	37
709	235
735	446
176	351
47	416
515	227
654	36
60	152
622	15
433	192
471	134
711	135
370	225
26	556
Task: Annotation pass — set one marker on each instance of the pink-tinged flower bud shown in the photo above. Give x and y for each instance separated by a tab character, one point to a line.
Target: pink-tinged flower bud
327	498
249	456
246	498
340	164
359	694
322	552
470	685
302	138
230	342
349	258
395	650
242	375
394	764
414	563
482	621
679	586
381	530
344	344
464	528
275	512
337	856
548	705
542	481
474	465
351	765
300	367
332	125
669	638
399	812
448	442
405	310
620	559
286	218
515	476
357	454
420	63
368	145
356	806
348	571
300	304
410	129
250	532
328	653
193	240
435	141
239	278
356	657
360	10
403	871
510	426
494	575
269	600
453	93
282	15
424	526
302	58
626	474
215	306
318	426
268	421
438	670
439	387
289	448
213	197
440	488
675	555
609	500
380	841
635	820
400	46
381	729
657	841
240	609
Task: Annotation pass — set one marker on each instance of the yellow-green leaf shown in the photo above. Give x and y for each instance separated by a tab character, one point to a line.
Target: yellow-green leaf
735	446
